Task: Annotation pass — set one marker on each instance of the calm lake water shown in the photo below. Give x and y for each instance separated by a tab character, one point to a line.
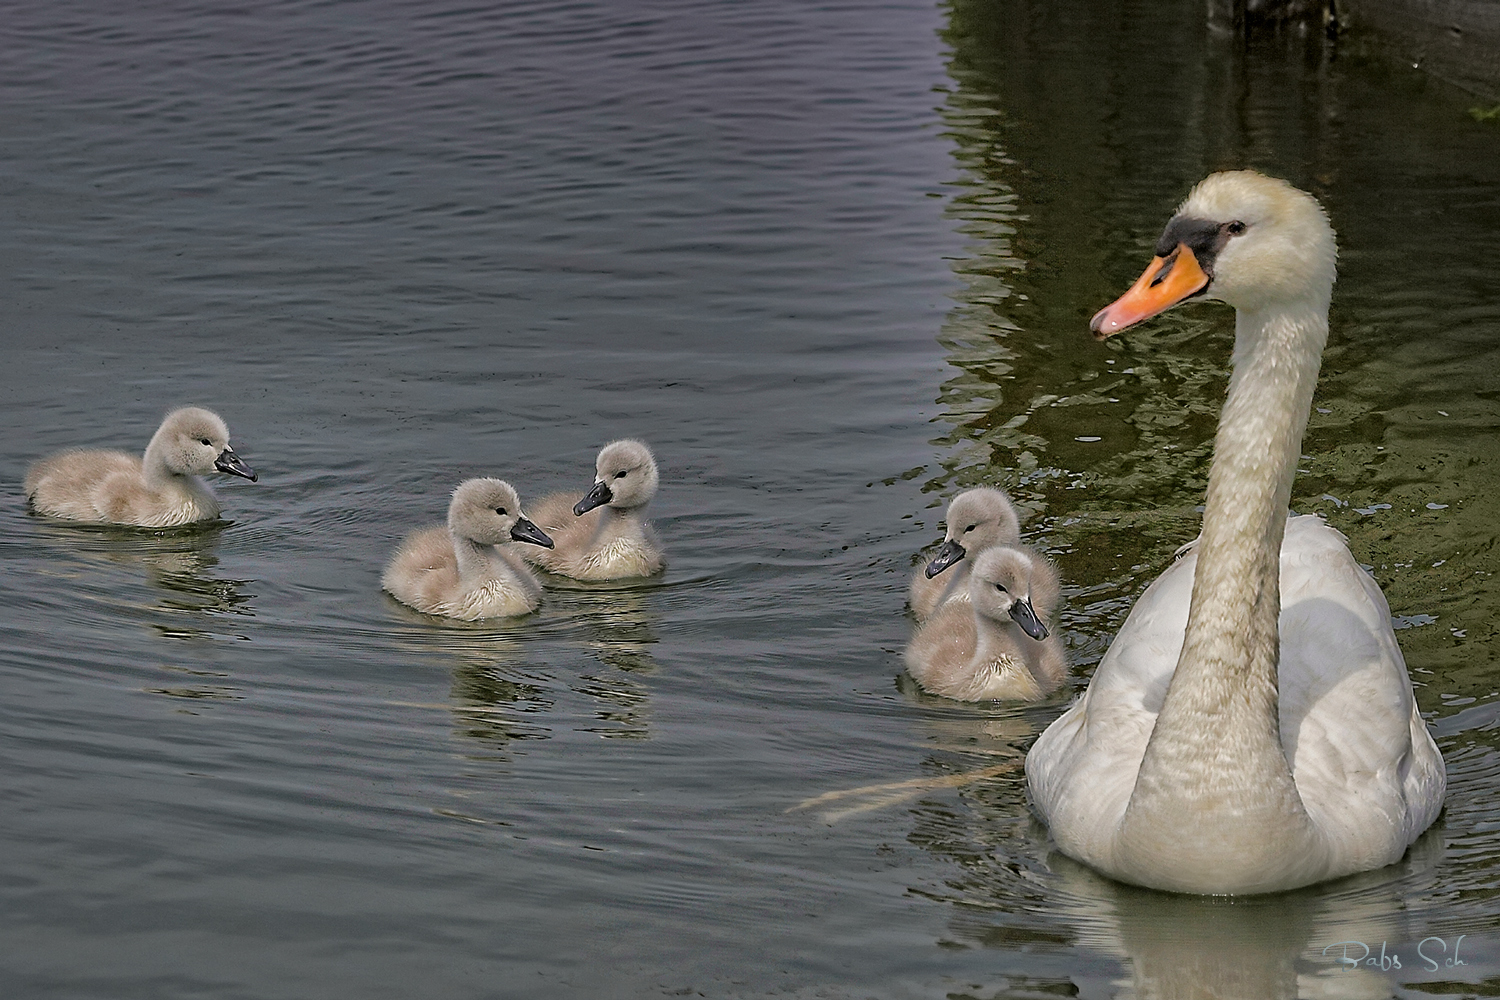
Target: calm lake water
835	263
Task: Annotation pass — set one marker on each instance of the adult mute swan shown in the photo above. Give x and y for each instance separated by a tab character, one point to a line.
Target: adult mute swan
159	490
977	520
457	570
1252	727
603	534
996	644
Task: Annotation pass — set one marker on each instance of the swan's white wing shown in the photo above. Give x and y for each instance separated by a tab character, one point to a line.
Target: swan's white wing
1082	770
1368	772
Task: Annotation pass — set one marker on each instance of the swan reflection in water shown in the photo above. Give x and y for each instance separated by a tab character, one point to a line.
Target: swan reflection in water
1281	946
1012	888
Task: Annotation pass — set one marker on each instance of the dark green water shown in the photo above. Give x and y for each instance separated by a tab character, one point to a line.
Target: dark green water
835	263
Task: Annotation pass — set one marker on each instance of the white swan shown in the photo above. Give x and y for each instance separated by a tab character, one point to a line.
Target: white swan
604	534
457	570
977	519
1252	727
159	490
996	644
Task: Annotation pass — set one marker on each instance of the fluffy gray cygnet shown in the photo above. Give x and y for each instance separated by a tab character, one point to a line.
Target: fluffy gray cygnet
977	520
603	534
457	571
996	645
159	490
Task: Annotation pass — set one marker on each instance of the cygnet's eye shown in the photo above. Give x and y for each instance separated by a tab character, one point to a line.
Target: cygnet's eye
620	475
1001	587
206	441
500	511
970	528
1236	228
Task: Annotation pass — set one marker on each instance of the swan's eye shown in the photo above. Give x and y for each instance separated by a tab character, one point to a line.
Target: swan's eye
620	475
970	528
500	511
207	442
1236	228
1001	587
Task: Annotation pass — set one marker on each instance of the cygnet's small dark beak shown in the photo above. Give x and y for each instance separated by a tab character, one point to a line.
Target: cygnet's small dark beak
229	462
524	531
596	497
1025	617
950	553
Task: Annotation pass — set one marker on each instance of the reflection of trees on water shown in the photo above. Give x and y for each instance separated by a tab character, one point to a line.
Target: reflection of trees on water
1075	127
1068	151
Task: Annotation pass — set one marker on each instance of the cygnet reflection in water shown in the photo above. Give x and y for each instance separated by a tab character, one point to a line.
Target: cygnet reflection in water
178	563
160	489
998	644
494	700
977	520
604	534
619	630
458	571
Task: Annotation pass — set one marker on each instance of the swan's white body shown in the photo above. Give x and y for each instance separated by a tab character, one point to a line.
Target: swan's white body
1252	728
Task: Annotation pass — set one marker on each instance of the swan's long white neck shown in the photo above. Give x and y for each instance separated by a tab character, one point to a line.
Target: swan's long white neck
1214	771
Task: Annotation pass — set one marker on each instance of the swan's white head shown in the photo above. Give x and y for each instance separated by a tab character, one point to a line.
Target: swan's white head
625	477
1000	588
1240	237
193	441
488	511
977	520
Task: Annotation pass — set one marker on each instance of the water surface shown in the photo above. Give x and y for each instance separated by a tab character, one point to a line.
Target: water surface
835	264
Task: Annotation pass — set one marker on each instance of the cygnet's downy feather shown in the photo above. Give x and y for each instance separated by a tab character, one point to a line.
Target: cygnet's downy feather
977	520
161	489
603	534
998	644
457	571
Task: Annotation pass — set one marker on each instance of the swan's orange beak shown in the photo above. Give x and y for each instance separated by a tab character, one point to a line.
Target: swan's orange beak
1167	281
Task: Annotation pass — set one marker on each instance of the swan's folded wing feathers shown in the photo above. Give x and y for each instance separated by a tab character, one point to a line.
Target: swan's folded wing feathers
1347	715
1082	770
1346	703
